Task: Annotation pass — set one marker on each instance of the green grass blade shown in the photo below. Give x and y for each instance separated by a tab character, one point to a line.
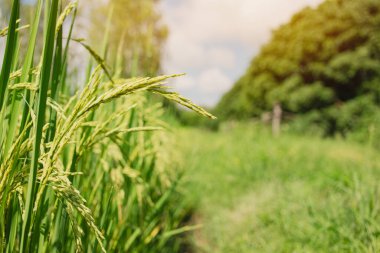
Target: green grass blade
9	51
28	60
41	110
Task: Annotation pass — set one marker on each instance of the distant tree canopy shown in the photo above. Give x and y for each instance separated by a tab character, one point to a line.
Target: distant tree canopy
136	34
321	60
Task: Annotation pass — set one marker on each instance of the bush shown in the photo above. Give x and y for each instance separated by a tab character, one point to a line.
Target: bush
358	120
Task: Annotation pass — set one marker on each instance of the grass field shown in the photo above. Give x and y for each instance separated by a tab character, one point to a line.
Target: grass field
254	193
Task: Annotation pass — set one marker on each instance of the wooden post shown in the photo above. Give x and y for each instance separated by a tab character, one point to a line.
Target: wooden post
276	119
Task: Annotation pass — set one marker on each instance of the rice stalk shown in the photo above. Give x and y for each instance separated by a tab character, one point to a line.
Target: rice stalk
86	167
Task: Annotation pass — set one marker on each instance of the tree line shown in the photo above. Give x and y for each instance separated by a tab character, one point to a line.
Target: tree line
323	66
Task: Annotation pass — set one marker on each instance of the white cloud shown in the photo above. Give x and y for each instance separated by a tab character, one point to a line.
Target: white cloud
222	57
211	37
247	21
205	88
184	55
184	83
183	51
214	81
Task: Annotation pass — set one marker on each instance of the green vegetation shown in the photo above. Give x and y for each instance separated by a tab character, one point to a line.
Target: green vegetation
85	169
137	32
296	193
92	167
322	67
256	193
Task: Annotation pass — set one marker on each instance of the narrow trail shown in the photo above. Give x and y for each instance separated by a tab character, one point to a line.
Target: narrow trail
254	193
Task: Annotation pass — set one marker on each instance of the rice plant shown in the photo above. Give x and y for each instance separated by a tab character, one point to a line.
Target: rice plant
84	171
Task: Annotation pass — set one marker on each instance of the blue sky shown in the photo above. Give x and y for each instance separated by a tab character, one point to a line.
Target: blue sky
213	41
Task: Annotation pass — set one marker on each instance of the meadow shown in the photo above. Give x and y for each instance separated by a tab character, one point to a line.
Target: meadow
257	193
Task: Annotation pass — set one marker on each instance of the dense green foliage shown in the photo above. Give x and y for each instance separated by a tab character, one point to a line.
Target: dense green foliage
316	64
256	193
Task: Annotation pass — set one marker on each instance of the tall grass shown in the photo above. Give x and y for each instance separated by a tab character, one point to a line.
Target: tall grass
288	194
89	171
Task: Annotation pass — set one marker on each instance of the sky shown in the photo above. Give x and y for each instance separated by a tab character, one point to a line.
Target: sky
213	41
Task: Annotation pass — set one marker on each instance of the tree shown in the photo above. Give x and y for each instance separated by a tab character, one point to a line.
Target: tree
316	65
136	35
320	60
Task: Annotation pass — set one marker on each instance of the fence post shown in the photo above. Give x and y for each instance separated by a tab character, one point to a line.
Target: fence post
276	119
